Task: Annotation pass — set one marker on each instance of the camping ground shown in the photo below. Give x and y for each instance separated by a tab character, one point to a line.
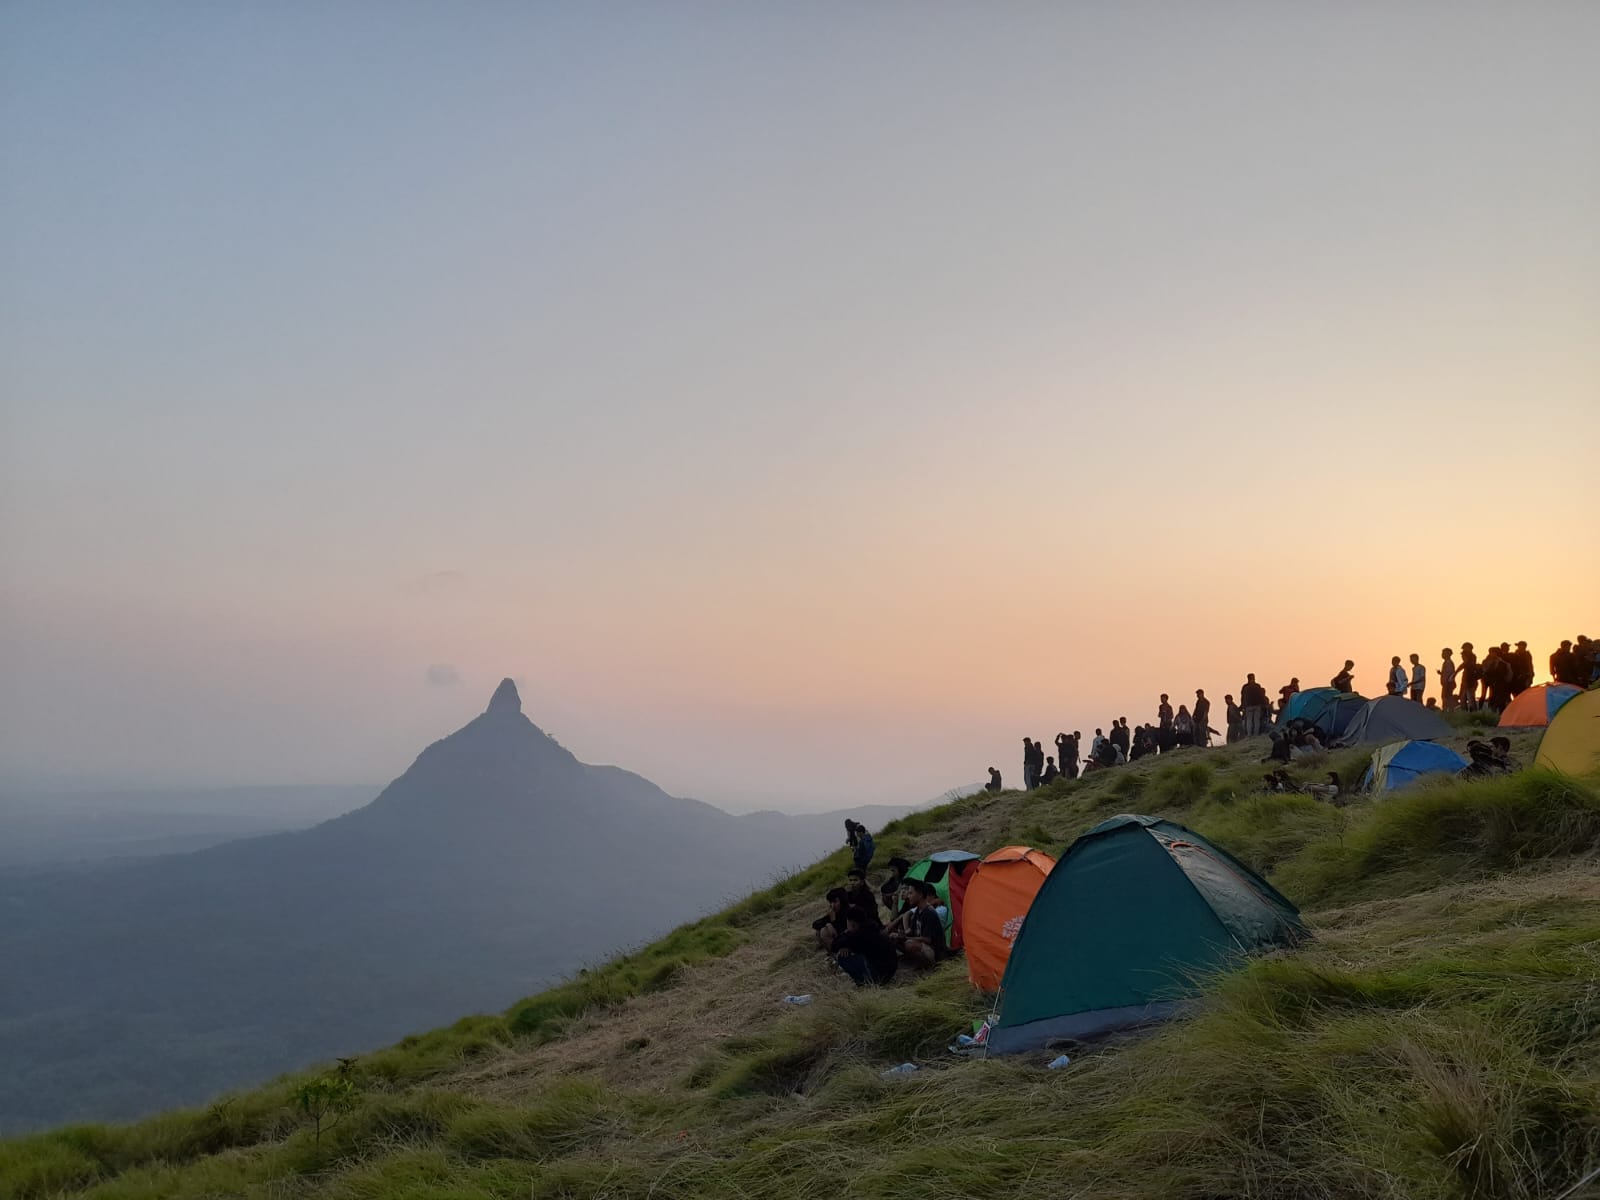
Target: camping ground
1439	1038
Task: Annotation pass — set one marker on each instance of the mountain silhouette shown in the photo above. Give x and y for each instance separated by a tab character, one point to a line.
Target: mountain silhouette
495	864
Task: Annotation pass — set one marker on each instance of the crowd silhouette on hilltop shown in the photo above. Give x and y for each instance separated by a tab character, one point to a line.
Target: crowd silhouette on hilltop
1467	683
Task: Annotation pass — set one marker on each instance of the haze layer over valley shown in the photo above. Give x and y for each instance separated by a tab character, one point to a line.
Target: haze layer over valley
495	864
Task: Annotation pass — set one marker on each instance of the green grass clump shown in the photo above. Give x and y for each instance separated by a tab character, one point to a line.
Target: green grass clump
1178	786
1427	834
1439	1039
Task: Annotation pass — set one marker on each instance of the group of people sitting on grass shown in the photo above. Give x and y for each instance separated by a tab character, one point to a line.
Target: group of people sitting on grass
1503	674
869	935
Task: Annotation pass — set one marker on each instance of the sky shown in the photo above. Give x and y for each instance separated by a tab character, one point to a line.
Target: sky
802	401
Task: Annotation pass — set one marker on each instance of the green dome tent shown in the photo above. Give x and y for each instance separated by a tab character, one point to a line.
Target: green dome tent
949	871
1122	932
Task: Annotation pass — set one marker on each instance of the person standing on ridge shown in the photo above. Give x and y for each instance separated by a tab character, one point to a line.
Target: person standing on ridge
1235	719
1447	680
1521	669
1471	673
1202	718
1397	677
860	841
1121	736
1497	672
1561	662
1419	678
1063	743
1164	725
1344	681
1253	699
1027	765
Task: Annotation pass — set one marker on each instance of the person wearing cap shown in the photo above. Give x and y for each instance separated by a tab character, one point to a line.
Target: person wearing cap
1521	660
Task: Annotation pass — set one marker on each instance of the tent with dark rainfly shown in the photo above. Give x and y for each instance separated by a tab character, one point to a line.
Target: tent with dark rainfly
997	900
1394	719
1328	709
948	871
1572	743
1125	930
1535	706
1399	763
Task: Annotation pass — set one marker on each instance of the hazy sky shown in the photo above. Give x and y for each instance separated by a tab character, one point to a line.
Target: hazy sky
803	401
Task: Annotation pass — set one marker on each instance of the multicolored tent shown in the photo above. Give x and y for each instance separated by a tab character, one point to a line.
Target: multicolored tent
997	899
1328	709
1125	930
949	871
1572	742
1390	718
1399	763
1536	705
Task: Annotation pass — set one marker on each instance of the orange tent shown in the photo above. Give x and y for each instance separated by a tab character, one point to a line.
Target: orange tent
997	899
1537	705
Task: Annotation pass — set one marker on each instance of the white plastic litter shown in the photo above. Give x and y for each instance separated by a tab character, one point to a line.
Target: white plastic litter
902	1069
1058	1063
806	999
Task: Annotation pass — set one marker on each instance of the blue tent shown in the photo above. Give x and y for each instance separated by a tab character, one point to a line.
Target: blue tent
1329	709
1399	763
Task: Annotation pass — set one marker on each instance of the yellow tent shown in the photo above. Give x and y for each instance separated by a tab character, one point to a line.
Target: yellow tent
1571	742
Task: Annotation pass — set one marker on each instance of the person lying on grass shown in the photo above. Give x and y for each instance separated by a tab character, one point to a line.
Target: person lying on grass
921	940
862	950
831	926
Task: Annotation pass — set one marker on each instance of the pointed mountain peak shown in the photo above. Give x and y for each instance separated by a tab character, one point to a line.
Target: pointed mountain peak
505	699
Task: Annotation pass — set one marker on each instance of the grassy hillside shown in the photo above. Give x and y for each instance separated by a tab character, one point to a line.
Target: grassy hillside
1440	1038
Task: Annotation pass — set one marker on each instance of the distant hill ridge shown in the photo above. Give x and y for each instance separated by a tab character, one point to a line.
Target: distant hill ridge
495	863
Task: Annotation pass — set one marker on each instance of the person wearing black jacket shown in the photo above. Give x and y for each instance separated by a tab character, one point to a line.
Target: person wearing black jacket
829	927
863	951
1253	700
